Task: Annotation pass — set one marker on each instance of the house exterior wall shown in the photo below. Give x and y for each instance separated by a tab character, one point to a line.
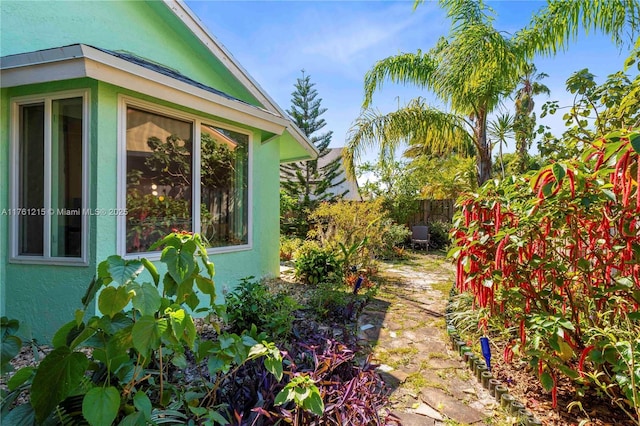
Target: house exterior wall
145	28
43	297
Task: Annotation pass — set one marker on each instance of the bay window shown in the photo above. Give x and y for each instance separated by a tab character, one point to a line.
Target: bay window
183	174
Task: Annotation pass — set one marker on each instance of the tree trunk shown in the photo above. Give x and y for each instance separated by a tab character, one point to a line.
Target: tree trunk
484	148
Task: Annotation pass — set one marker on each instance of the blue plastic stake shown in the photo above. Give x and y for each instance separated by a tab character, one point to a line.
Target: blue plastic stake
486	351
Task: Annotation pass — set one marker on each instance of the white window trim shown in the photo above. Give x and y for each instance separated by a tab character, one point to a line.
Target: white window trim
124	102
14	178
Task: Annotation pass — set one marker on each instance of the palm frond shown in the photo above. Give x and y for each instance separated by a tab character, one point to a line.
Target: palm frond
467	12
475	69
416	124
560	22
501	128
406	68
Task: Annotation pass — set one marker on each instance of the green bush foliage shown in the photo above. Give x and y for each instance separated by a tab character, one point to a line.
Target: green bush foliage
288	247
396	237
362	229
439	235
318	265
137	345
251	304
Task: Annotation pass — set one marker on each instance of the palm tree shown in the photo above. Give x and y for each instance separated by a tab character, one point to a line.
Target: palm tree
501	129
525	119
472	71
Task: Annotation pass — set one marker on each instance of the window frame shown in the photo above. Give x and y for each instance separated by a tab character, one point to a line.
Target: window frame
197	121
14	177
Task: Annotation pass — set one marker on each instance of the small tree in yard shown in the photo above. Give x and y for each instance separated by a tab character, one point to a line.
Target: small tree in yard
307	182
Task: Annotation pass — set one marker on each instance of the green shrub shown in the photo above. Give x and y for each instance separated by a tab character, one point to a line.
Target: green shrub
347	225
439	235
317	265
396	236
252	304
137	348
338	302
306	247
288	247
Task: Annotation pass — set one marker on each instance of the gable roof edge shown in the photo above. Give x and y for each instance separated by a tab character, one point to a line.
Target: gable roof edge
197	27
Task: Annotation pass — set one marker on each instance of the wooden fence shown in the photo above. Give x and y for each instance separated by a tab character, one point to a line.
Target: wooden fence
433	211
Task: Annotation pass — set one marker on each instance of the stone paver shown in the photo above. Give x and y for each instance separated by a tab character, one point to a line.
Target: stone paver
429	383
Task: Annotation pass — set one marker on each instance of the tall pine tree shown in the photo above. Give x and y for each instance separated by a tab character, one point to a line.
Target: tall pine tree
305	184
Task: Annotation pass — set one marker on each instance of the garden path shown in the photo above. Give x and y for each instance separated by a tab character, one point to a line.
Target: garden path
405	328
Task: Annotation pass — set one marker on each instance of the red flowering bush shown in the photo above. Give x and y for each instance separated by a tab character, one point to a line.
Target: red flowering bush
557	255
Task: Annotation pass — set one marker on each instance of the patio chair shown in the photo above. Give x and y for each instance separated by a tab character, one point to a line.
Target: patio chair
420	236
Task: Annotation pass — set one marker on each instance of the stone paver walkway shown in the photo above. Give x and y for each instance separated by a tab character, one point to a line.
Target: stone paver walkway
405	328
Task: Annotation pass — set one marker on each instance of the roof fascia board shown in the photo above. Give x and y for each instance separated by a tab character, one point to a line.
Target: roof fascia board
182	11
84	61
296	160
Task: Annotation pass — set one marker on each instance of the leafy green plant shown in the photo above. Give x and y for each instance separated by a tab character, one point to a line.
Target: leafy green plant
618	347
251	304
316	266
439	235
396	236
303	392
11	343
145	332
362	228
288	247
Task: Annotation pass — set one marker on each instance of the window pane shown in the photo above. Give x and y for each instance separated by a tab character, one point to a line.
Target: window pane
224	190
31	185
159	165
66	177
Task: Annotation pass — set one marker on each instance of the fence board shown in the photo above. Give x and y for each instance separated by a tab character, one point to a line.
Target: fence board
433	211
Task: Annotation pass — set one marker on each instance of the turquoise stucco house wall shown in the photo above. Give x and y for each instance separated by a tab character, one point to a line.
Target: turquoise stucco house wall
120	121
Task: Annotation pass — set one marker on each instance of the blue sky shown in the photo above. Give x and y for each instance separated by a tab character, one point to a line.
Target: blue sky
336	42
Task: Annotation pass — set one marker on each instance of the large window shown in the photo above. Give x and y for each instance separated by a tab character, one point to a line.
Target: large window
49	178
184	174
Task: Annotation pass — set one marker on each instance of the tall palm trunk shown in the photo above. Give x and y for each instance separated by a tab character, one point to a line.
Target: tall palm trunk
483	146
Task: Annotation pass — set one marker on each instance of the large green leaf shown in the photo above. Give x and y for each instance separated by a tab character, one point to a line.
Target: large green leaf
634	138
59	373
100	406
93	288
21	415
113	299
143	404
123	271
147	299
185	290
180	263
314	403
66	334
559	171
146	334
20	377
547	381
134	419
120	343
274	366
207	286
10	347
